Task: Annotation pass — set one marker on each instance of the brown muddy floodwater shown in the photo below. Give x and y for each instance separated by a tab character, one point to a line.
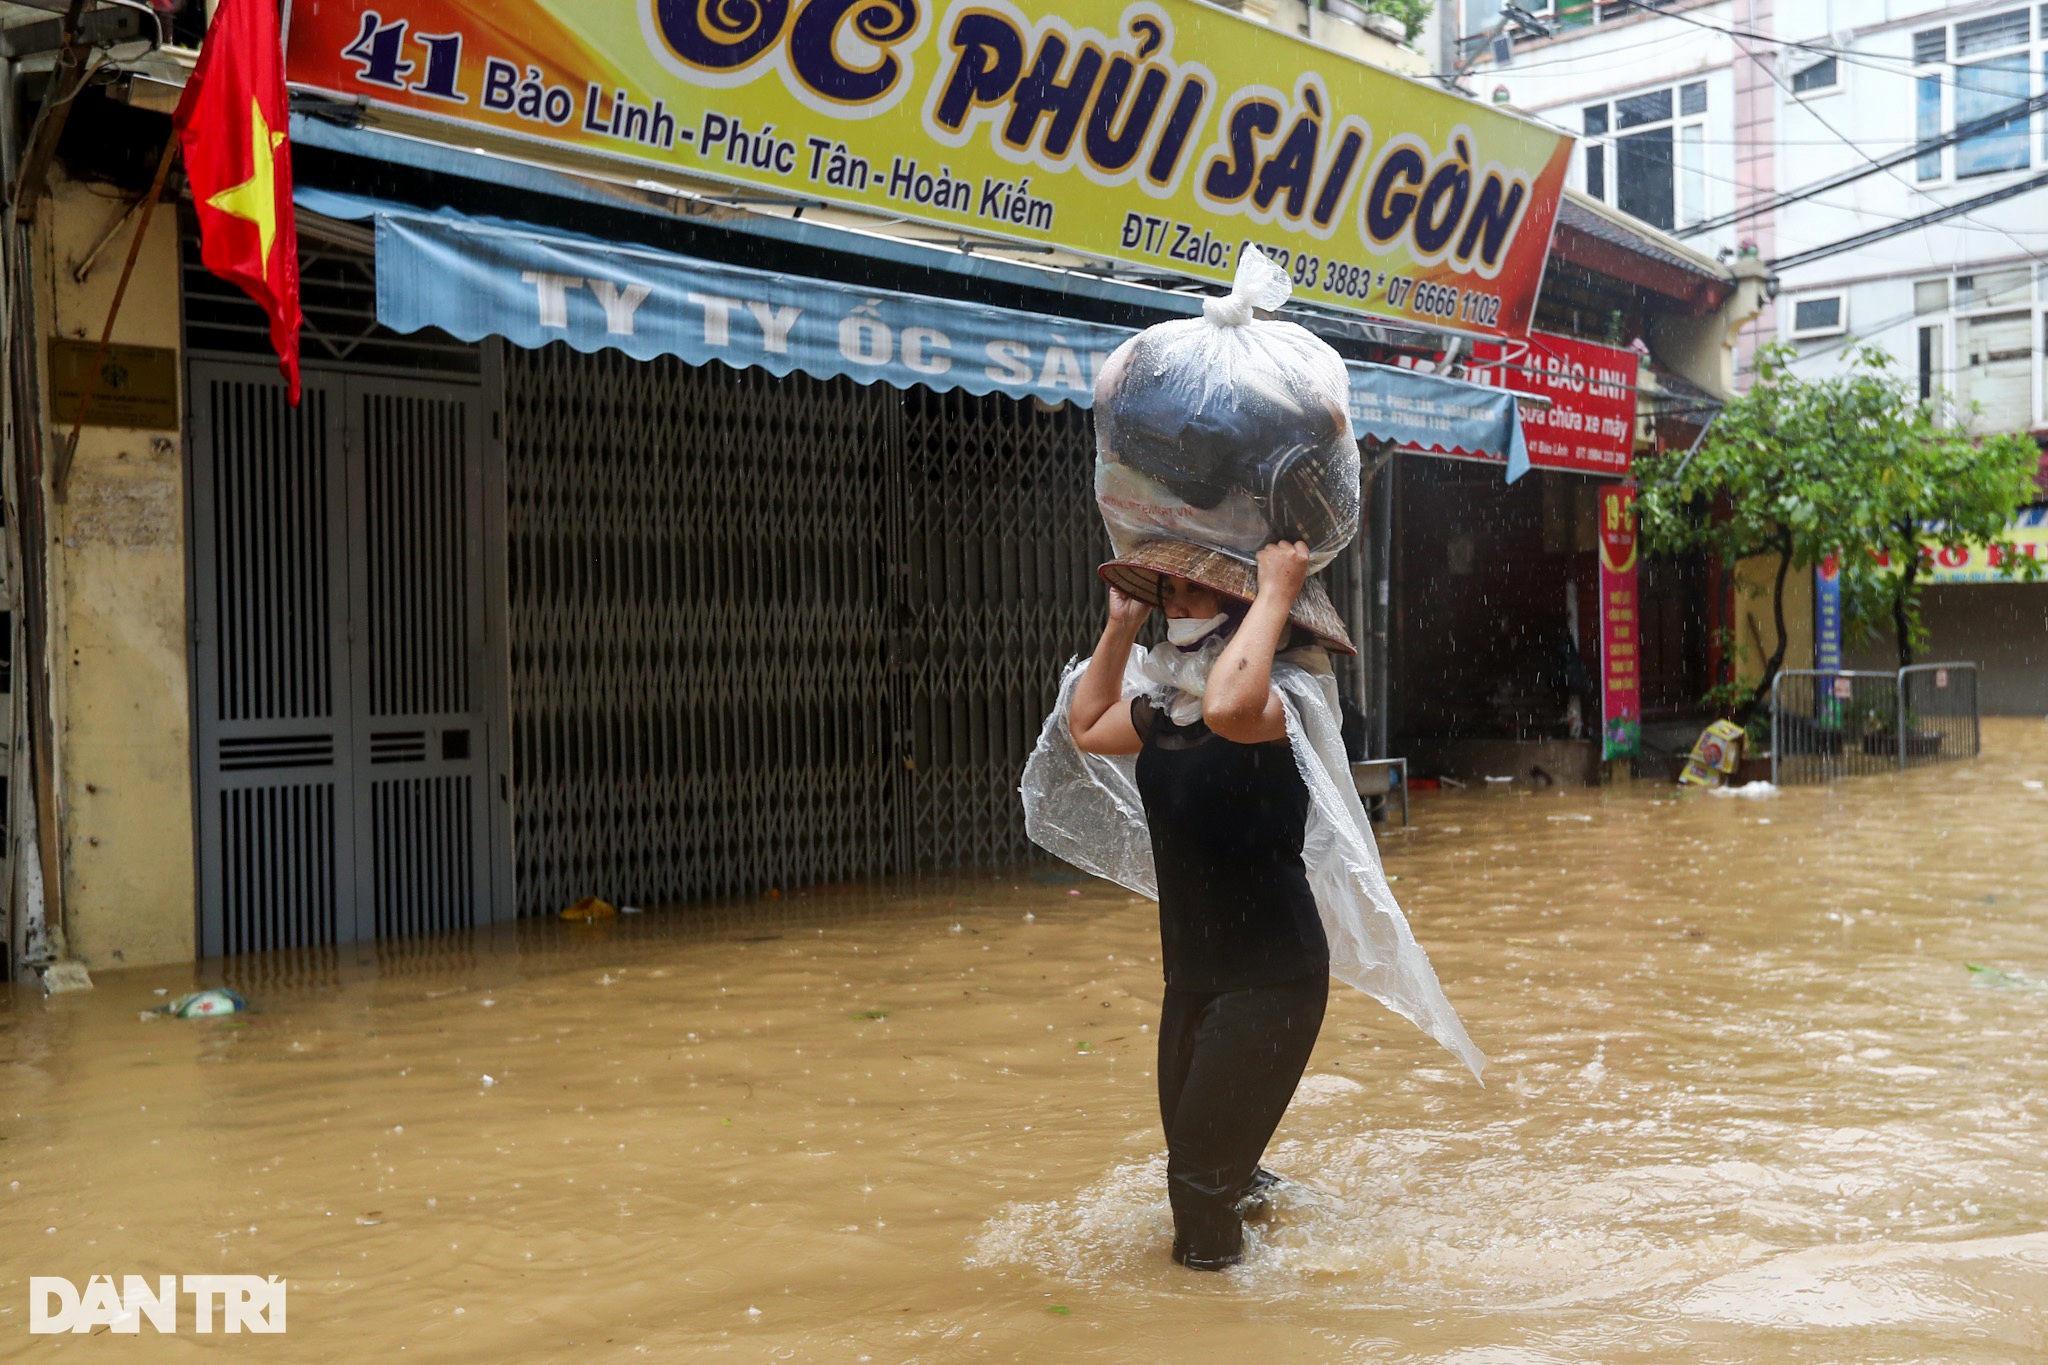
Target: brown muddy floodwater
1747	1103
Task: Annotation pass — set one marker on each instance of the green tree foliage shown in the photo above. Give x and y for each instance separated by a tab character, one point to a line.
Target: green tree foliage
1853	465
1944	491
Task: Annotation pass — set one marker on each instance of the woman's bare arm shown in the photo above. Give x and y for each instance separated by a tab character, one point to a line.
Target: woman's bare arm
1099	716
1240	702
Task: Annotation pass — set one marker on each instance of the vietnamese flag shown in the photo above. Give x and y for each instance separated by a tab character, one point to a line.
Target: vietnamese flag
232	123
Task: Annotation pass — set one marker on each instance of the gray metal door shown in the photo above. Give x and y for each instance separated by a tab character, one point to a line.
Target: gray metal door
340	658
420	731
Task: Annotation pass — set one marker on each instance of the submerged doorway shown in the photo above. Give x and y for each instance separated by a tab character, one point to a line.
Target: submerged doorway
349	693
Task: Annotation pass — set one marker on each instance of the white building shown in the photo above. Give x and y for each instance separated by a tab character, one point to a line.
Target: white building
1823	133
1887	159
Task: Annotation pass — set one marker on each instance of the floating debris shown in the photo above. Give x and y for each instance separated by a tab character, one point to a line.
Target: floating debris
201	1005
2008	981
59	977
1749	791
589	910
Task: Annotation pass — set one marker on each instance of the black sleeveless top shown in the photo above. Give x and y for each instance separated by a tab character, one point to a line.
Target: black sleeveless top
1227	823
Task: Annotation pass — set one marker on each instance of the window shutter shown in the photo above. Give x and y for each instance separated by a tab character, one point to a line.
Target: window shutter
1995	370
1991	33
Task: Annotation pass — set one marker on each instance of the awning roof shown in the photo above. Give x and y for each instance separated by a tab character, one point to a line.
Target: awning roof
475	277
1600	239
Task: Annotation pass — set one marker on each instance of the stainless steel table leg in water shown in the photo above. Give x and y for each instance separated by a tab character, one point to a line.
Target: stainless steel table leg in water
1379	779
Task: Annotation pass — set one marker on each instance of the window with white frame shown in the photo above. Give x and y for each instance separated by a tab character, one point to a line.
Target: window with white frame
1820	315
1646	154
1980	342
1978	71
1823	77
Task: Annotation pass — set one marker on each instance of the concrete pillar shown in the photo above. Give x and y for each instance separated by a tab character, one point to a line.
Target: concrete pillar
117	654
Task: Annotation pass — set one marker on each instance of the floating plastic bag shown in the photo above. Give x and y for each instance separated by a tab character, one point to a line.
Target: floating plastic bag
201	1005
1228	431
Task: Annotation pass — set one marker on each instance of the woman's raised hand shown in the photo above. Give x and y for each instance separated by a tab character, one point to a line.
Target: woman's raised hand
1283	568
1126	610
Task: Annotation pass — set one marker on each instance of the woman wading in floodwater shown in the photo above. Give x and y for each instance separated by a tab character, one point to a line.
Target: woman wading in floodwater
1215	436
1246	961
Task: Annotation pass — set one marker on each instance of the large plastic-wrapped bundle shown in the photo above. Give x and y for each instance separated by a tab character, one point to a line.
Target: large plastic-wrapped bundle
1228	430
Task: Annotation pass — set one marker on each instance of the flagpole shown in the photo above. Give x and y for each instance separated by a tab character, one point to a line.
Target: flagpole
60	476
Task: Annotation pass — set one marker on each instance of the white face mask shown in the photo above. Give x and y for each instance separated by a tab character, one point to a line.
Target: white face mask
1187	632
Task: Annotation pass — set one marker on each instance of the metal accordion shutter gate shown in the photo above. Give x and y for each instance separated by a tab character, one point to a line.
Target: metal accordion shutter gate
998	544
779	632
699	683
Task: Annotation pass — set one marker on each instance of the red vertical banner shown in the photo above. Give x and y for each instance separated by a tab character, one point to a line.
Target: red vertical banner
1621	697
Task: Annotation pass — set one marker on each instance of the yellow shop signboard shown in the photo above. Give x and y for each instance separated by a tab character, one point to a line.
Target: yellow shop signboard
1974	563
1162	133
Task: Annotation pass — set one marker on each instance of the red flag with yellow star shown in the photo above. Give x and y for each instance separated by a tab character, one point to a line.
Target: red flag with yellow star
231	124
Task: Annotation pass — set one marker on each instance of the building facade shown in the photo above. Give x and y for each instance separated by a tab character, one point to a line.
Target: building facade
1888	163
515	609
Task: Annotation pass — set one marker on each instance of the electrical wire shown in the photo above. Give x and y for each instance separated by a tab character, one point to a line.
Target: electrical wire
1838	134
1863	336
1862	59
1926	194
1792	260
1609	142
1913	70
1840	138
1912	151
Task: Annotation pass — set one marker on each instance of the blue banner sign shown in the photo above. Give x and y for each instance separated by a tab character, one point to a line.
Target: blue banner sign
1827	616
474	279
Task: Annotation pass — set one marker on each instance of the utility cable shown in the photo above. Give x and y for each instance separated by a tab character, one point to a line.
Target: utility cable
1962	211
1946	211
1609	141
1751	35
1847	58
1990	123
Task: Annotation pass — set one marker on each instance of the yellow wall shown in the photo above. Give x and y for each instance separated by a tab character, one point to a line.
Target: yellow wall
1702	348
118	658
1374	49
1755	633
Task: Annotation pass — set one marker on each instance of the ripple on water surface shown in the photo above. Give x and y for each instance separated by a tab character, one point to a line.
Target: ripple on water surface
1747	1100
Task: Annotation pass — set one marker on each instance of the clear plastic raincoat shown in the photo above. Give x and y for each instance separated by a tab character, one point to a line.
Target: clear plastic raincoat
1085	809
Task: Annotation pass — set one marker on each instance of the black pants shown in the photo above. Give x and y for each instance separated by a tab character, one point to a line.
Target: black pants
1228	1065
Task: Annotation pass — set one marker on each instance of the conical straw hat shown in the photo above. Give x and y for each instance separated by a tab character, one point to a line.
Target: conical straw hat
1137	575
